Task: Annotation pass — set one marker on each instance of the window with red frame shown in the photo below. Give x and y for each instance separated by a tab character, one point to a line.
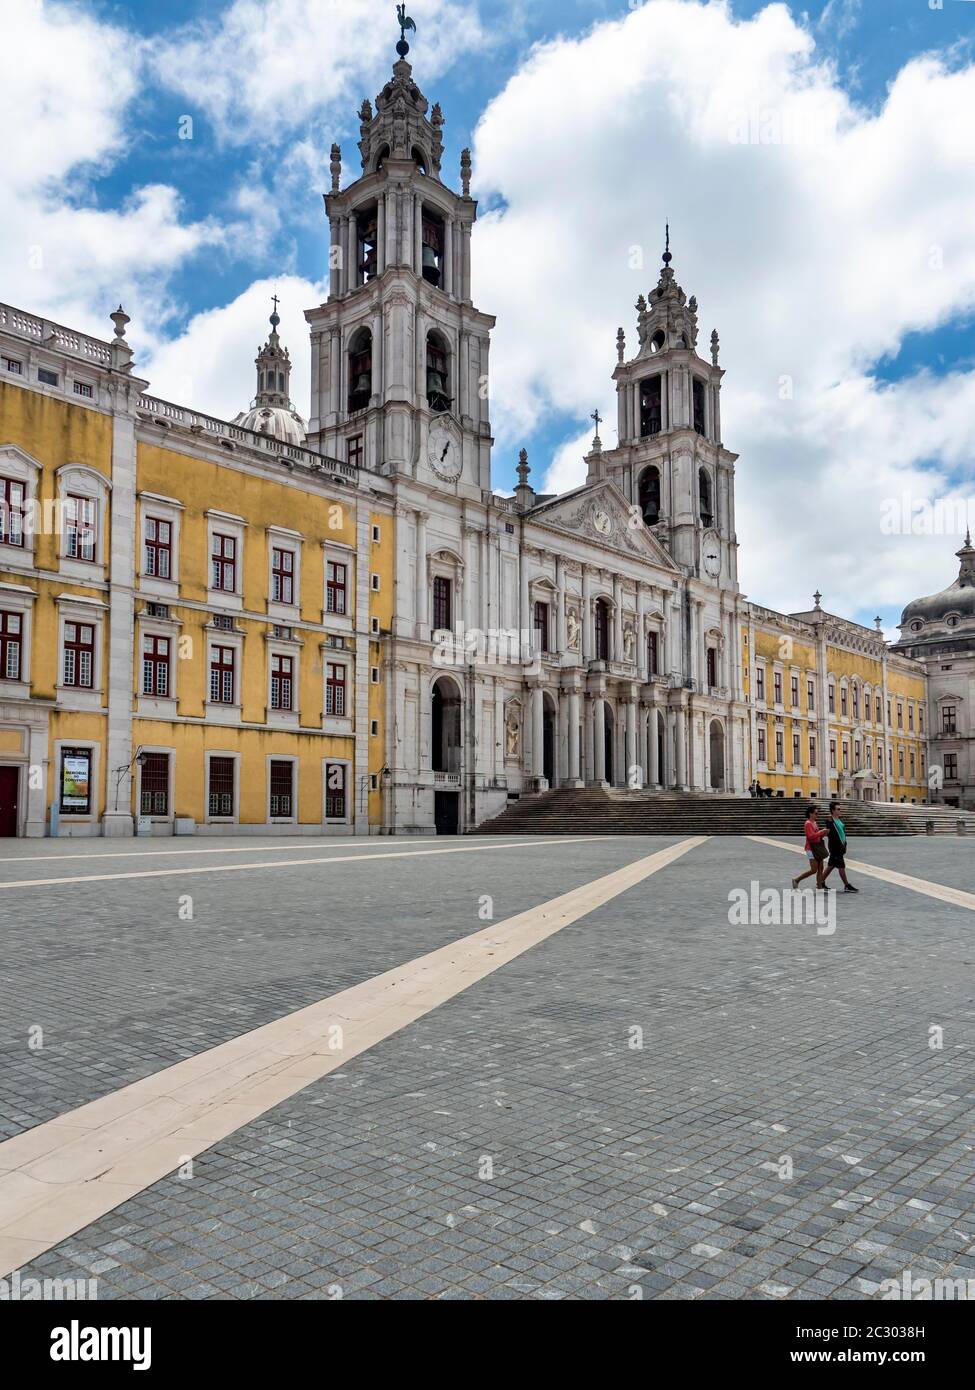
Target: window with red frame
222	675
12	497
11	643
80	514
220	788
334	688
282	683
159	548
282	788
154	785
155	665
282	576
79	655
335	791
223	559
336	585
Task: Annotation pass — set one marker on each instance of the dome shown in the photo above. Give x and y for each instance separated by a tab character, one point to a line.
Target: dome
278	421
957	598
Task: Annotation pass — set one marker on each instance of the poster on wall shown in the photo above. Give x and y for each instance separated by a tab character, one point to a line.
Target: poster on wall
76	780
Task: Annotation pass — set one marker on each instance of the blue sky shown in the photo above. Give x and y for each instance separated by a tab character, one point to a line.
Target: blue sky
881	388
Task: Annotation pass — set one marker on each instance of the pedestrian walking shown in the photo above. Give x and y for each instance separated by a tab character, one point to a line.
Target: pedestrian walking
815	849
836	839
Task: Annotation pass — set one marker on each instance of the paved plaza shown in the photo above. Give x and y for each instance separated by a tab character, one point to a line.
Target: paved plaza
626	1093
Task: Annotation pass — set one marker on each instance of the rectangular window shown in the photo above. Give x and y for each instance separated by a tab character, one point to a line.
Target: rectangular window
760	682
832	699
540	613
869	751
79	516
282	788
82	388
920	719
761	743
159	548
336	586
155	665
810	695
652	654
779	746
778	687
856	755
154	785
913	764
843	701
334	689
282	683
354	450
846	756
900	763
900	715
889	719
951	767
45	375
11	364
223	558
795	750
75	789
812	750
441	604
712	660
220	791
949	719
795	692
12	500
282	576
11	640
832	753
335	791
856	703
910	718
222	675
79	655
877	720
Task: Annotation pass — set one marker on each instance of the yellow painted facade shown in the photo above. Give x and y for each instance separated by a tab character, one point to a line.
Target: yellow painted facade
146	748
833	711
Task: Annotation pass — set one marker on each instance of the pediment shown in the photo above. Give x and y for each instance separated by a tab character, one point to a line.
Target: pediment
600	513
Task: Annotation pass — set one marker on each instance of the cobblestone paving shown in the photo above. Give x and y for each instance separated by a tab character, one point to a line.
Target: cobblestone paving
785	1130
122	986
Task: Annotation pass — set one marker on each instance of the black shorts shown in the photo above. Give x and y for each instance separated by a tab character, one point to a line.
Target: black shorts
837	861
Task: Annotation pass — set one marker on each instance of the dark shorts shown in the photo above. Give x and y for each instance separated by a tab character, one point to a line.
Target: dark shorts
837	861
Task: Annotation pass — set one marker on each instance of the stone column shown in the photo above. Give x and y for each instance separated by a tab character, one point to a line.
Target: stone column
335	261
121	615
586	615
483	579
500	733
560	605
422	610
681	768
468	542
353	253
589	771
448	256
653	768
575	773
599	739
617	652
631	751
417	234
466	264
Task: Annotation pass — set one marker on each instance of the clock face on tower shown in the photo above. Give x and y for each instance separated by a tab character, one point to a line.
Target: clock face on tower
443	451
712	556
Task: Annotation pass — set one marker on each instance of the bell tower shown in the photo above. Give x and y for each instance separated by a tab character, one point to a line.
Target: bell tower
399	352
670	461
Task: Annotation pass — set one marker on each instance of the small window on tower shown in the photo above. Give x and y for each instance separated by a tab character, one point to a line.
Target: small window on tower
704	486
367	231
360	370
699	407
650	495
438	382
657	341
650	406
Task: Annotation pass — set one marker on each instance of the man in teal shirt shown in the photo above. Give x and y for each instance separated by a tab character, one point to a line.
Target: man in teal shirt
837	848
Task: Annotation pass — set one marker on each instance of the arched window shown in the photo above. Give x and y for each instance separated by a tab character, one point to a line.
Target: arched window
419	159
367	244
432	238
698	400
650	495
657	341
602	630
438	373
704	497
360	370
381	157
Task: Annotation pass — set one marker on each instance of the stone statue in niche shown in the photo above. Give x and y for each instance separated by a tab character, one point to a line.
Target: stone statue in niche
572	632
512	729
629	641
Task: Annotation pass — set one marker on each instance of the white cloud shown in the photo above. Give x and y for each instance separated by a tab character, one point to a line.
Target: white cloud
264	67
816	235
68	81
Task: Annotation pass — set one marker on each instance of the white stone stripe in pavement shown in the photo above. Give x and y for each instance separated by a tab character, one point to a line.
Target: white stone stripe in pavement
60	1176
292	863
957	896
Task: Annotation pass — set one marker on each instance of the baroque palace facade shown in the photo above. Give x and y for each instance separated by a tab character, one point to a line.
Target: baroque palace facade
336	626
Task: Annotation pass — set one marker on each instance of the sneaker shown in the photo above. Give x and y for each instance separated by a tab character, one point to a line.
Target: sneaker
850	889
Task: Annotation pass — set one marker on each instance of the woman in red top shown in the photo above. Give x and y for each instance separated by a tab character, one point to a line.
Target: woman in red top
815	849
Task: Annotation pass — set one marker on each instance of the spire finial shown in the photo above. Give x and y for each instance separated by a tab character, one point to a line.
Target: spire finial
667	257
817	597
402	47
275	320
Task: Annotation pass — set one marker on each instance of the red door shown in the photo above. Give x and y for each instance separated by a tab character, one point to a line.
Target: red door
9	781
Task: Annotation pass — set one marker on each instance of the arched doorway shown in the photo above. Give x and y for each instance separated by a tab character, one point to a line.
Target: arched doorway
716	750
609	731
445	755
548	739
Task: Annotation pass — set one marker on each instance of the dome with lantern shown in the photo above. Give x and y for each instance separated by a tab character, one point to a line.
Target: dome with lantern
952	607
272	411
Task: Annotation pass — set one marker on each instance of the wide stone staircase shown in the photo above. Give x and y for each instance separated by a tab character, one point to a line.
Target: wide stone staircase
615	811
